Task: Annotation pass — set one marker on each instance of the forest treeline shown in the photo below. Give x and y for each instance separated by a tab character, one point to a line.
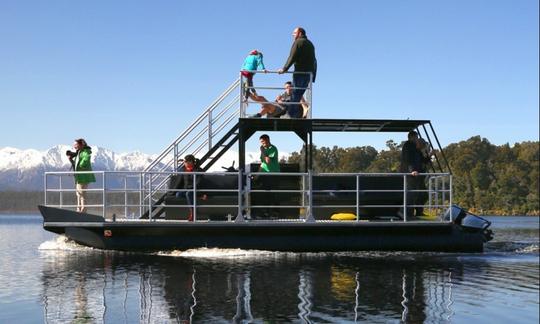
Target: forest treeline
488	179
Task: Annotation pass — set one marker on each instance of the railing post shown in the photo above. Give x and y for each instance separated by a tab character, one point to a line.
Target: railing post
194	206
104	198
450	193
150	197
357	198
45	189
443	183
437	193
62	191
404	197
125	198
240	216
309	215
304	195
430	193
242	108
247	194
141	194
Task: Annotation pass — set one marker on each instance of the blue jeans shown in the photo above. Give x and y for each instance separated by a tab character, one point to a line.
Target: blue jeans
299	81
188	194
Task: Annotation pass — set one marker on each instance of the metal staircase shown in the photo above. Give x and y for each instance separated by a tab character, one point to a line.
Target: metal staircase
210	135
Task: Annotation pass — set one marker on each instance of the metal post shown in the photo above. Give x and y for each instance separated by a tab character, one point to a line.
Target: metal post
125	198
304	193
104	197
45	189
437	192
194	206
309	215
443	181
239	216
357	198
247	193
242	108
450	194
141	194
62	191
404	197
150	197
430	193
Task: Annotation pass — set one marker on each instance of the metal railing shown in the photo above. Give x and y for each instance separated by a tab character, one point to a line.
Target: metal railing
207	129
128	194
308	95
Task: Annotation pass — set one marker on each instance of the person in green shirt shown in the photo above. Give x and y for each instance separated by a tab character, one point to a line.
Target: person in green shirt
269	155
269	163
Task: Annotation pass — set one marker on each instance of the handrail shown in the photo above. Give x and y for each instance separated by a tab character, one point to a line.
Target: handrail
440	193
308	91
197	121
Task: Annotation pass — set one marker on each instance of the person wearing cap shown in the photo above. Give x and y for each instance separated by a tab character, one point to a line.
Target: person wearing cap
302	55
253	62
186	182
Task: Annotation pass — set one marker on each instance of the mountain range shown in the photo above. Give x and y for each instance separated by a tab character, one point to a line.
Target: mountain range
22	170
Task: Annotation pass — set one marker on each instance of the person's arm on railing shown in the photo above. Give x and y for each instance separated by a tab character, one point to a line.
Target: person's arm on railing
292	58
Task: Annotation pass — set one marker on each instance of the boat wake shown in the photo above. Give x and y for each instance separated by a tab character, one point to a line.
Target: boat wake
514	247
215	253
62	243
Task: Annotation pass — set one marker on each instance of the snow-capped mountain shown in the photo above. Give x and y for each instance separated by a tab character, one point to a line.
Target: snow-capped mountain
22	170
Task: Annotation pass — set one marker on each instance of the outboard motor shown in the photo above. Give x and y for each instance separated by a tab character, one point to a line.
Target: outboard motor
469	221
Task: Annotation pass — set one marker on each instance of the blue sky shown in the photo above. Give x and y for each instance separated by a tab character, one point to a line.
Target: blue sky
131	75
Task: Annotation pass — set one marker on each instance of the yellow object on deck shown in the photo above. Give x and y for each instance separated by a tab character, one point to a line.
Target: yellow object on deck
343	216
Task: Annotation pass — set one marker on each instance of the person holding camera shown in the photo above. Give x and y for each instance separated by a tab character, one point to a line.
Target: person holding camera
81	161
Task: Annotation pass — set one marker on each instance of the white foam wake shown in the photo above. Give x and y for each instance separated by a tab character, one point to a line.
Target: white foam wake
62	243
216	253
529	249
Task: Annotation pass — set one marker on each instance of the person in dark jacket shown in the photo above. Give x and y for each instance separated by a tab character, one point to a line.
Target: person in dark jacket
425	163
302	55
186	182
411	162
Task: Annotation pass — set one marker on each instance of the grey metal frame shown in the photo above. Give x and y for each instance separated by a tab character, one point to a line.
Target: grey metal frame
146	190
309	91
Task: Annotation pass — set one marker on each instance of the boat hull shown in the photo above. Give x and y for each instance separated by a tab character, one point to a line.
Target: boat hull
146	235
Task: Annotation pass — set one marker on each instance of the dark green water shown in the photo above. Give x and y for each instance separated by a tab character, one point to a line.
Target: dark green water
43	278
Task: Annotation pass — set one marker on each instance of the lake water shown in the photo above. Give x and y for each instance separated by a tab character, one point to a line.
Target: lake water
45	278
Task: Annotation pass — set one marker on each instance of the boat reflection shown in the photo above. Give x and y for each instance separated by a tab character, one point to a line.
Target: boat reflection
95	286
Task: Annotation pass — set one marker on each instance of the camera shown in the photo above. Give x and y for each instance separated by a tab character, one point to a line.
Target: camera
71	154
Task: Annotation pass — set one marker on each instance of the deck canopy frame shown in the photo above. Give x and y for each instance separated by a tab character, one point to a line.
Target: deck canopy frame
304	129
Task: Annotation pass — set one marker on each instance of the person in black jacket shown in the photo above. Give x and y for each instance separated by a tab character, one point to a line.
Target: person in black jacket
412	162
302	55
186	182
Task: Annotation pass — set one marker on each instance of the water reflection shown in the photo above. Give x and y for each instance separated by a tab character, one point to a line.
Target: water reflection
95	286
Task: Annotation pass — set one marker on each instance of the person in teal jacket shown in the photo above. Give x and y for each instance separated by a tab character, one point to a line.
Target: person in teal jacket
253	62
81	161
